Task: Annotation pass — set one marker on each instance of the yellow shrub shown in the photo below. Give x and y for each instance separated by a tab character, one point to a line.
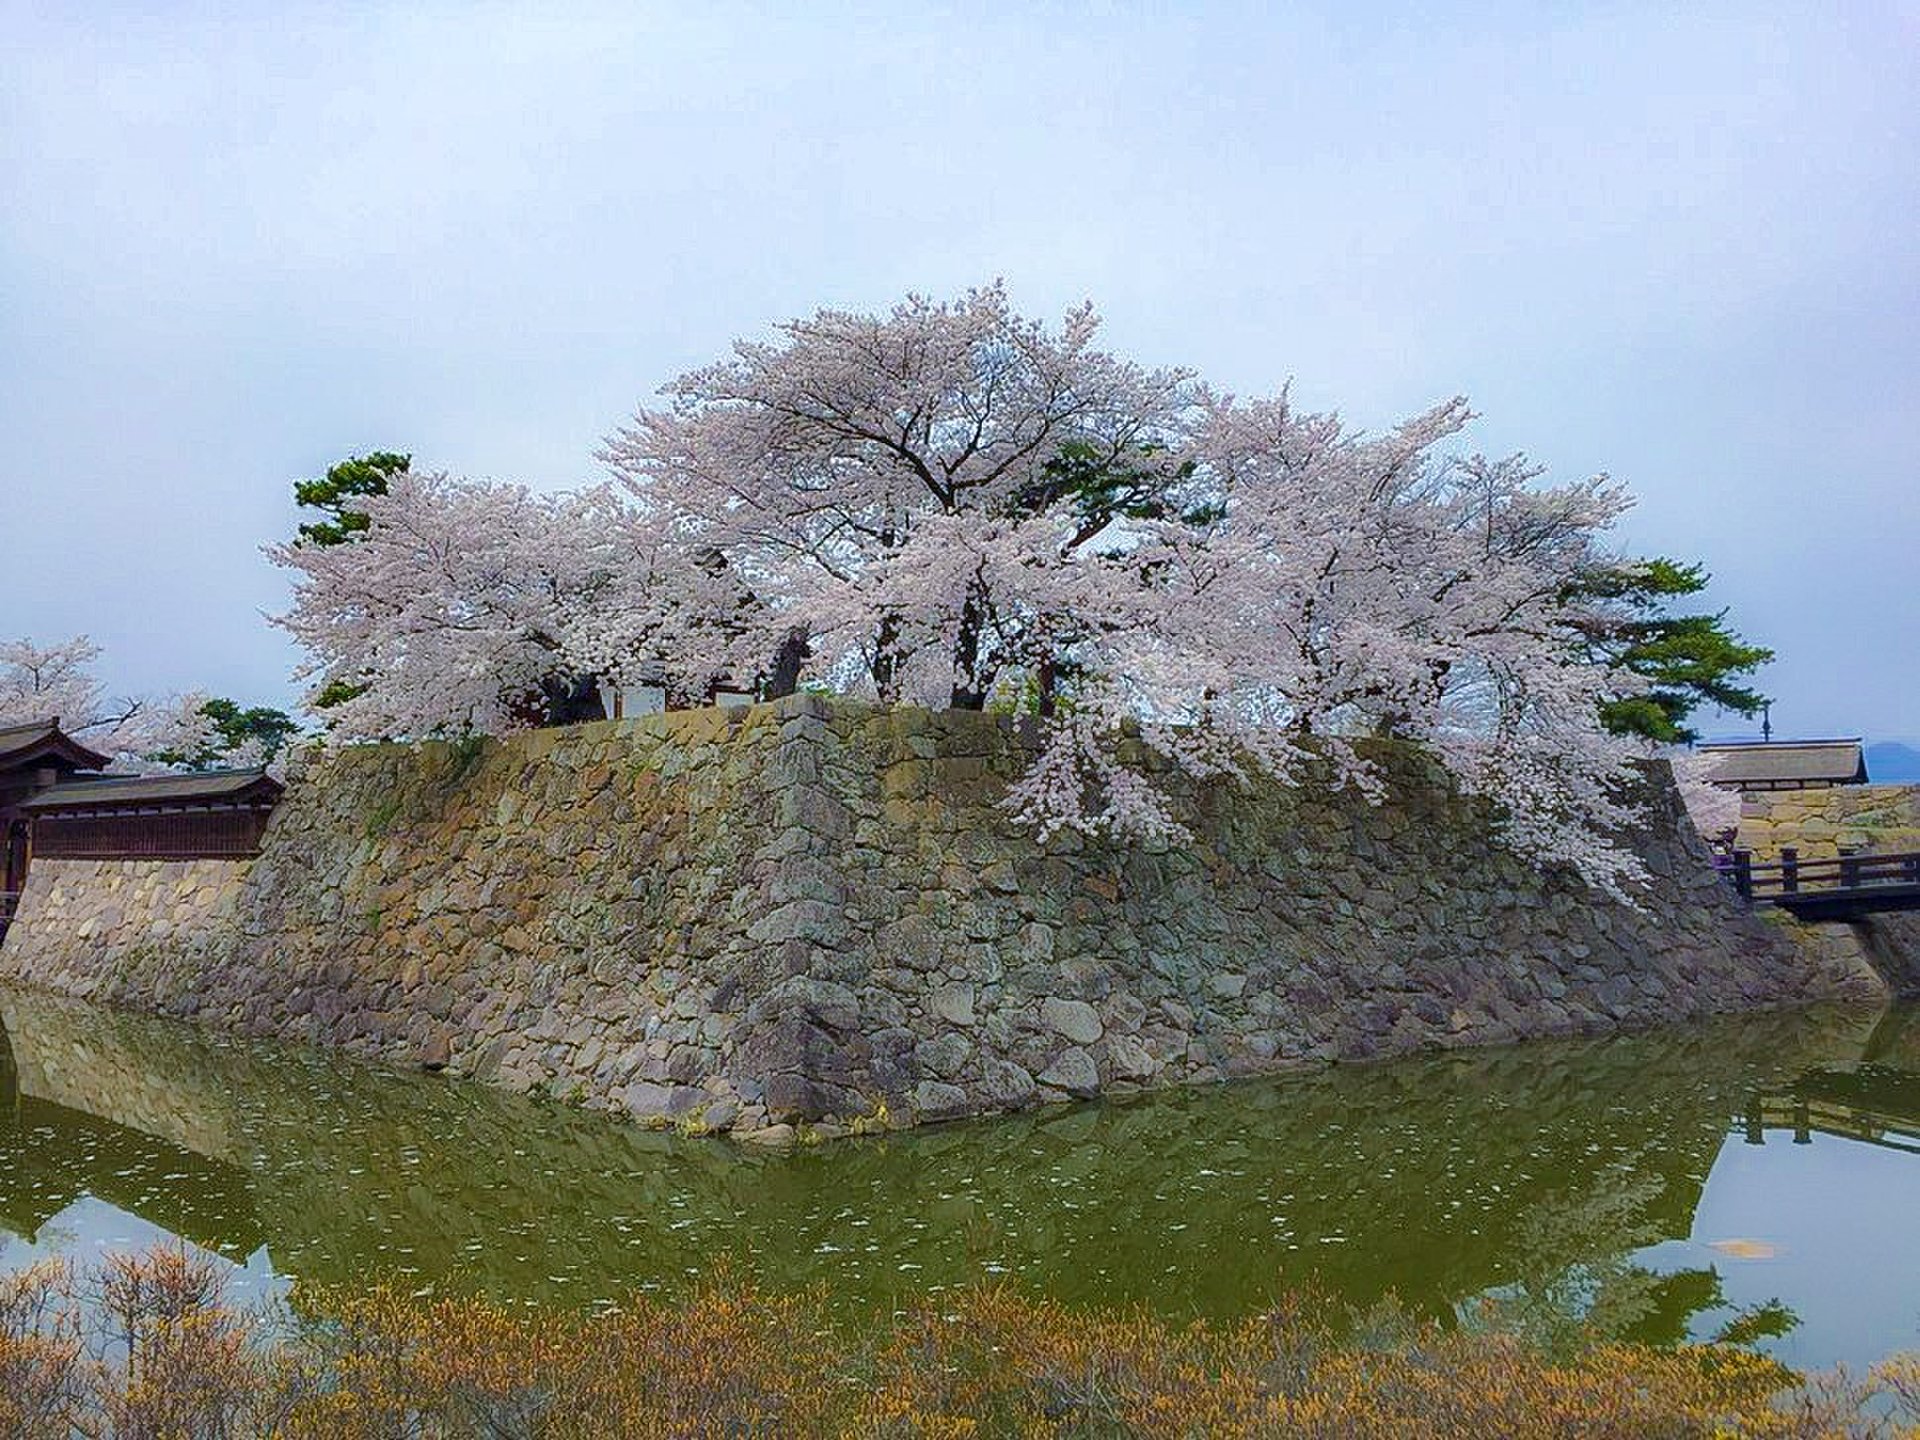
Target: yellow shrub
148	1346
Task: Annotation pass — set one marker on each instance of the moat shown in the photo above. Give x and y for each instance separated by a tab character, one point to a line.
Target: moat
1751	1177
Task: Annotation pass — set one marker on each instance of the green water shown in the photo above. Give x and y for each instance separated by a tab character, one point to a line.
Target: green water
1763	1173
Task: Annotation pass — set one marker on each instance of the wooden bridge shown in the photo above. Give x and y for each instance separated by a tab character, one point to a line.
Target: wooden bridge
1844	888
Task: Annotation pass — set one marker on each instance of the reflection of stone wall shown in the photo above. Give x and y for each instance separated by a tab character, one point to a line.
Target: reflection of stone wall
1895	1042
77	1063
1882	819
813	911
1435	1178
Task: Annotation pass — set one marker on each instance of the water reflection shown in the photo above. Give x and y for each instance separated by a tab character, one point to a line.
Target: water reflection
1558	1180
1874	1101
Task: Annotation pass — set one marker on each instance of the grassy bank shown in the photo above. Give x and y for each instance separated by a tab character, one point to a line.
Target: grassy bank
150	1347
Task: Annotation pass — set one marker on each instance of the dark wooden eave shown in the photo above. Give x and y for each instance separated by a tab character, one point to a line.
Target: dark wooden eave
44	742
89	794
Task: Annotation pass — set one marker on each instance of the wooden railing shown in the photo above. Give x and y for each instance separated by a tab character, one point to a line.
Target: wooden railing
1782	881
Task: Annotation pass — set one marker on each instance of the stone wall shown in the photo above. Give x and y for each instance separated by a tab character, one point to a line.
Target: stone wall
111	928
1874	818
1888	944
814	914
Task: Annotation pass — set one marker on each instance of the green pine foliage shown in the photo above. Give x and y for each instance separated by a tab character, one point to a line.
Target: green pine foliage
234	726
354	478
1688	660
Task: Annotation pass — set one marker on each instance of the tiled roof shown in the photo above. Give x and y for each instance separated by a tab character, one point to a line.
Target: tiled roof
1834	762
227	786
44	739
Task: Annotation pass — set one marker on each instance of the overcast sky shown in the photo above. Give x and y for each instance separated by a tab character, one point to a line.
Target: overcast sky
1678	244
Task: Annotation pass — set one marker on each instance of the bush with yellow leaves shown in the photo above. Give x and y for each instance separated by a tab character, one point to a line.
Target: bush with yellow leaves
150	1348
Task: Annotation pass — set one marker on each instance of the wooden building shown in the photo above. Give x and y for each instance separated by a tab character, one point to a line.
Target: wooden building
55	804
1787	764
212	814
33	758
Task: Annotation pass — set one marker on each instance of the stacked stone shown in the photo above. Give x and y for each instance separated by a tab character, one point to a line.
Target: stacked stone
1883	819
813	916
120	931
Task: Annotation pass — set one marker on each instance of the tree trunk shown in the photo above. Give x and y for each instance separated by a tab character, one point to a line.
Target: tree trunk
885	668
969	688
570	700
783	674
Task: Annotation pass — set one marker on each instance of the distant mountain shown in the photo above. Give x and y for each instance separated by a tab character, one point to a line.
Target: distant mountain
1889	763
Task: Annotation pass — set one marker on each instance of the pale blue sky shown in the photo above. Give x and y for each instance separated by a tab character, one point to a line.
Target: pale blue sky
1674	243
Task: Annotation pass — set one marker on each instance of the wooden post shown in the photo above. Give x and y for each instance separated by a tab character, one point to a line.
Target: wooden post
1849	866
1789	869
1743	873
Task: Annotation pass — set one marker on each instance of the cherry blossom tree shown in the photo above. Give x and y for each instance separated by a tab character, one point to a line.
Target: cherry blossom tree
1714	809
954	504
461	606
58	681
951	505
906	491
1341	586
